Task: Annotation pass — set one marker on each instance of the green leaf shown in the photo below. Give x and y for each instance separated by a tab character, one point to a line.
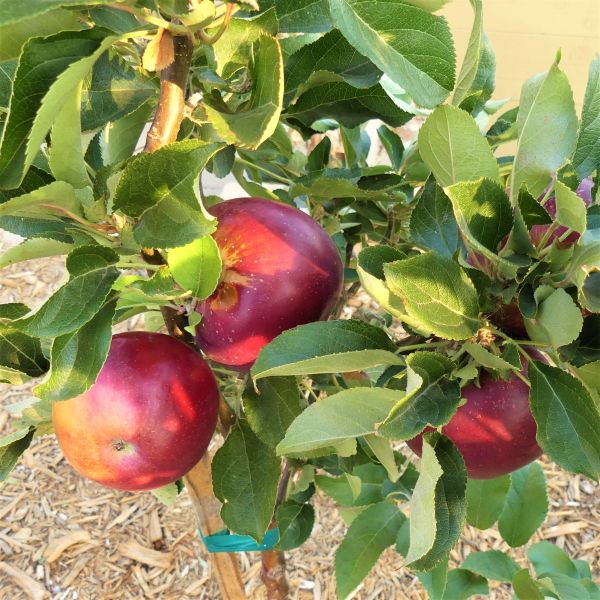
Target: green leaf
433	581
483	214
370	271
13	37
437	293
257	120
300	16
77	357
384	453
485	500
326	347
348	414
348	105
337	183
393	145
590	375
245	477
271	409
492	564
31	205
470	64
167	494
525	587
454	148
232	51
11	448
33	248
504	129
587	152
567	588
7	73
371	532
65	155
587	347
485	358
113	91
318	158
114	19
295	522
438	505
570	208
19	352
568	419
547	125
119	139
463	584
343	490
589	292
431	397
526	504
330	58
92	272
546	328
159	190
533	212
429	5
432	222
49	70
196	266
411	46
11	12
549	558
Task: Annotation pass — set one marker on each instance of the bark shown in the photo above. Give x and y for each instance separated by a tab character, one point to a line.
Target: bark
272	573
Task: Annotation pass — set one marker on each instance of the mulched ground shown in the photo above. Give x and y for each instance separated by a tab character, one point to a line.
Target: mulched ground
63	537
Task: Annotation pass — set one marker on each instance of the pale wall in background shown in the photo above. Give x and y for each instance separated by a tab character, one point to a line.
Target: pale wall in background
526	34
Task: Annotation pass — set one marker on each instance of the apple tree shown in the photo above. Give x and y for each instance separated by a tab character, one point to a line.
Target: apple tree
478	241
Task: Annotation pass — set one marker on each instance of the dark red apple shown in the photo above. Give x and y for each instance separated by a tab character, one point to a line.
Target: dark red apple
494	431
148	418
280	270
509	319
537	232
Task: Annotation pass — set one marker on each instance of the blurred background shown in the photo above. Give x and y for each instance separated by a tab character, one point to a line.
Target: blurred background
526	34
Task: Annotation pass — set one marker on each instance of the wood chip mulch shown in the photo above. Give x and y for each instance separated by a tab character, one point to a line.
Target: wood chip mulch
63	537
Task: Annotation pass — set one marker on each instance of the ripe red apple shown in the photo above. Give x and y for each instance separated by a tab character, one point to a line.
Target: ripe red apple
494	431
147	419
537	232
280	270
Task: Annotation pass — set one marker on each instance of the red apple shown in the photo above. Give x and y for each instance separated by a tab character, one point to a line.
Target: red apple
280	270
147	419
494	431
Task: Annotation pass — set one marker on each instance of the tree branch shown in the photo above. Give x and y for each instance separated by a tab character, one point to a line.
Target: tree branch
272	573
164	130
171	103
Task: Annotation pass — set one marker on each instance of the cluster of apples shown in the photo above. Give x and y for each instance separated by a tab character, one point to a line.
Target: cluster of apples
152	411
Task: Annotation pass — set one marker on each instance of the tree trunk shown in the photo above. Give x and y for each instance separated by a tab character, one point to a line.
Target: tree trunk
164	130
225	565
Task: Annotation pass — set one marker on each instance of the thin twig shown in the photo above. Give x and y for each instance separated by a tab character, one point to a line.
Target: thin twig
210	40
